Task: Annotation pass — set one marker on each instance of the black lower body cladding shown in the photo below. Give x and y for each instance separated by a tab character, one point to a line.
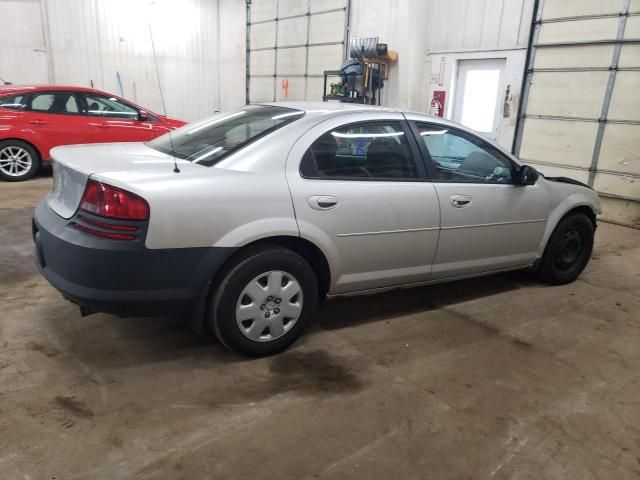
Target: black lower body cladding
121	277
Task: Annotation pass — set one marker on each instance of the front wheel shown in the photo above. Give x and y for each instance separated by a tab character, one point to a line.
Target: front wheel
264	302
18	161
568	250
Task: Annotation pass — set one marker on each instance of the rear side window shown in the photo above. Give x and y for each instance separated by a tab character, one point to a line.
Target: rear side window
54	102
209	141
109	107
368	150
15	102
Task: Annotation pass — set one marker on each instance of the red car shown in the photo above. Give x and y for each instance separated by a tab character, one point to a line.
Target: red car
34	119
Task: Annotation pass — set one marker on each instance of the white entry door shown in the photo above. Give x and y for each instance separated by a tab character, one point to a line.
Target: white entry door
477	95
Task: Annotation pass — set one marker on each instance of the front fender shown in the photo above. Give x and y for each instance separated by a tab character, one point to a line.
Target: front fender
587	198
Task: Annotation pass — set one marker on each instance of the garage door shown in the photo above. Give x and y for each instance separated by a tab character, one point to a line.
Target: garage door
290	44
581	103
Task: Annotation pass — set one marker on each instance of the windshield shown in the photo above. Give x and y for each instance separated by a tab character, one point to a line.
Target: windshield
209	141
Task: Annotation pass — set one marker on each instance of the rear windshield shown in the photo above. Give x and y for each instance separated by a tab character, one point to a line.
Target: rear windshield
209	141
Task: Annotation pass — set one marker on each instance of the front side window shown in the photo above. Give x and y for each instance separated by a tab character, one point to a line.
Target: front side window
458	157
370	150
209	141
14	102
109	107
54	102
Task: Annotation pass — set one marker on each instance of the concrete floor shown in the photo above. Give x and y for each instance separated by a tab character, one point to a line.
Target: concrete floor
500	377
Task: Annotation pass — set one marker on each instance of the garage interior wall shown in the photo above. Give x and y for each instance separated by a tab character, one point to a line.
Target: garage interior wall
581	110
78	42
470	29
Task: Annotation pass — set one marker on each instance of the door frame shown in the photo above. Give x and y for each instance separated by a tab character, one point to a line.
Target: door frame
458	100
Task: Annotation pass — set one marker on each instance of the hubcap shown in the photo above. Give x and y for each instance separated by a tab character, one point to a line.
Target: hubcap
269	306
568	250
15	161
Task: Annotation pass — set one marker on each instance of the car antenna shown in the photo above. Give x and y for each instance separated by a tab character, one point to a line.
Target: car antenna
164	106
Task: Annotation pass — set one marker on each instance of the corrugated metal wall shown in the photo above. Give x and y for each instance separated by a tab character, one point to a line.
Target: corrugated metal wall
581	110
462	30
474	25
84	41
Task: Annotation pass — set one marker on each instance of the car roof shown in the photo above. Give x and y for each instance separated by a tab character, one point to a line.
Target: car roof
7	89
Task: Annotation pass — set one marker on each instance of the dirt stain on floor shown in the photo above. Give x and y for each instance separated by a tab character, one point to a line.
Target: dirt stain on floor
313	372
73	406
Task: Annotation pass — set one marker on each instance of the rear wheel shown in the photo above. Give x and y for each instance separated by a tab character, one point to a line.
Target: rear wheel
264	302
568	250
18	161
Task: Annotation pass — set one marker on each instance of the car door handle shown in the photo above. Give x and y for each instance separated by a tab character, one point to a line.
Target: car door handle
322	202
103	125
460	201
37	122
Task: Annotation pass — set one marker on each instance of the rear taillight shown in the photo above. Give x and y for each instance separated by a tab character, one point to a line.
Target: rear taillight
111	202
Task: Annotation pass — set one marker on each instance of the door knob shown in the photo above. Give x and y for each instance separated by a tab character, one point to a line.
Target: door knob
460	201
322	202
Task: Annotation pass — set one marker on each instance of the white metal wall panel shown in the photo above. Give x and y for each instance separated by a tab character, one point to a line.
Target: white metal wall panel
262	10
559	142
629	55
455	25
625	99
579	30
287	8
292	31
564	93
581	115
626	186
263	62
574	57
324	5
291	61
263	34
621	149
320	57
22	43
308	37
326	27
93	41
569	8
632	28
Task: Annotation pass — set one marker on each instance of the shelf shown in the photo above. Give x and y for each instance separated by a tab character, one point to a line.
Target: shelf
345	99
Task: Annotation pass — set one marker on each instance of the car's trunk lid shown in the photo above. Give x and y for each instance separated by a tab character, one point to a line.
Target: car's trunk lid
74	164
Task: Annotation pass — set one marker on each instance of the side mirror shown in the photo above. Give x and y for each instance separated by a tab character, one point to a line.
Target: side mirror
143	116
526	175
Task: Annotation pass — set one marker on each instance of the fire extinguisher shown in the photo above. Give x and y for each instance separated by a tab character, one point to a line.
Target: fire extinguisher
435	108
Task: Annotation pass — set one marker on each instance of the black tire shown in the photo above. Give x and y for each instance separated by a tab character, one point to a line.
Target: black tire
226	297
34	158
568	250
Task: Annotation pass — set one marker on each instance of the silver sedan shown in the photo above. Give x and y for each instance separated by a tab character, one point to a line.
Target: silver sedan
245	220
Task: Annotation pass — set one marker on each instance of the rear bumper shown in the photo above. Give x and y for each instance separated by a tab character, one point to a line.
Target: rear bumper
121	277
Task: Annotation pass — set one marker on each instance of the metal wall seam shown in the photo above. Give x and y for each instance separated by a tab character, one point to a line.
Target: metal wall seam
306	51
528	77
583	169
299	45
608	91
579	119
247	80
300	15
275	56
588	43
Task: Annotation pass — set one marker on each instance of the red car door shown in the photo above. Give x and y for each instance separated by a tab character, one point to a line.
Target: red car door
53	118
112	120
